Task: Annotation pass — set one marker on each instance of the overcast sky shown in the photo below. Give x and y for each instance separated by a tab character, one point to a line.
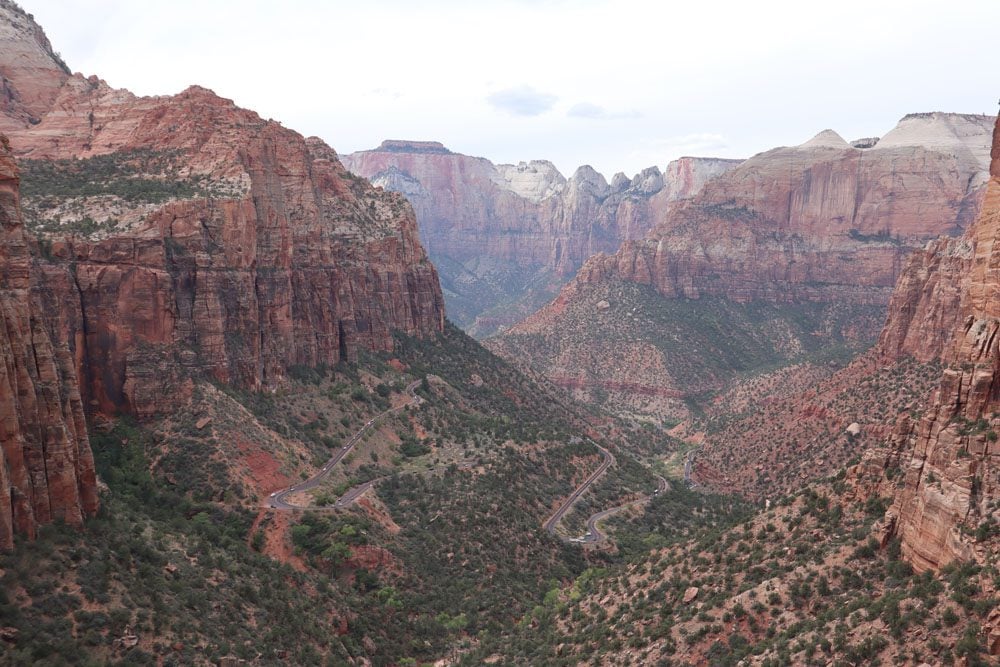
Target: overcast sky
617	85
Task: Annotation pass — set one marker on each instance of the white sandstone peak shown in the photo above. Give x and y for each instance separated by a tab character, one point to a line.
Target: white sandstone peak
946	132
826	139
535	180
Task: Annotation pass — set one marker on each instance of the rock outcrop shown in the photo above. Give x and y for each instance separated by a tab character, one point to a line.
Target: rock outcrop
505	237
204	239
278	257
47	469
948	305
31	73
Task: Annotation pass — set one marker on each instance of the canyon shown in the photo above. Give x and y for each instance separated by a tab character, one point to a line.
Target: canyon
206	317
822	230
506	237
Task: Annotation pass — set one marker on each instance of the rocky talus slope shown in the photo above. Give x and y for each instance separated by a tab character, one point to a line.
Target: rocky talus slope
47	469
943	466
505	237
180	237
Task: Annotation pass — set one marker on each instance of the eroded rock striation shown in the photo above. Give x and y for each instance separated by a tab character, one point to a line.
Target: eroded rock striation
505	237
947	306
266	253
47	468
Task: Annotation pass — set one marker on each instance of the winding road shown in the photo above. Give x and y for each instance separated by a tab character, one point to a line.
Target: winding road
278	499
594	534
609	460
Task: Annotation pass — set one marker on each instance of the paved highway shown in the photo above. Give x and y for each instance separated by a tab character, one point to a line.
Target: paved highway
279	499
594	534
609	460
356	492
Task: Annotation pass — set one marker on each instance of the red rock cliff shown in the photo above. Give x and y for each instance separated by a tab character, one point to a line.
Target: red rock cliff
947	305
280	257
498	231
47	472
820	221
258	250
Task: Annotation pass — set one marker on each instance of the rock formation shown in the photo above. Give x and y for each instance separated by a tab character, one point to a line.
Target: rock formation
507	236
179	236
30	72
47	469
820	223
947	306
274	255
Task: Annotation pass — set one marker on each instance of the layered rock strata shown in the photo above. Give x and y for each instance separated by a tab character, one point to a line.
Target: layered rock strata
820	221
47	469
943	468
178	237
277	256
497	232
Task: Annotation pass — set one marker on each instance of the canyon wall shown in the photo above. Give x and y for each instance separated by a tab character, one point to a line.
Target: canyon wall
820	221
174	237
505	237
47	469
273	255
822	230
942	468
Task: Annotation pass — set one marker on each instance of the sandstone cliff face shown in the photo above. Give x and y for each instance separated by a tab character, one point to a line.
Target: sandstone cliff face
820	221
499	232
30	73
47	471
191	236
948	458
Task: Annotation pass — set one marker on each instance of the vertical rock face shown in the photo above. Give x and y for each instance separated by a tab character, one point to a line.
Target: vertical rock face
500	231
184	235
949	457
47	472
277	256
819	221
180	236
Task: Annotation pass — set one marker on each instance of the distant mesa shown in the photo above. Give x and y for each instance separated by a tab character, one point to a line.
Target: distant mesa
941	131
405	146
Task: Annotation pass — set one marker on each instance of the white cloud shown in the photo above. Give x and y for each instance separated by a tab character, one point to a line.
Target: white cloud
595	112
522	101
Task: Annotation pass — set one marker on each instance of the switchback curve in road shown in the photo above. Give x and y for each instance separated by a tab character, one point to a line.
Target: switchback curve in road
553	521
279	499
